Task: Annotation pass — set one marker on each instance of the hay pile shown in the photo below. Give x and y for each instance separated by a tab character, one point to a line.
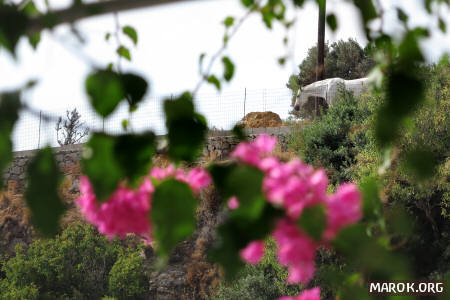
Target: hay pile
261	119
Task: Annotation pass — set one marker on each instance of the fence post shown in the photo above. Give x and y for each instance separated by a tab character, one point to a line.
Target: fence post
245	99
39	135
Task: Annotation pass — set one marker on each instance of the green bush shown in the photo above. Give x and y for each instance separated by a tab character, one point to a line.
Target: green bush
266	280
73	265
332	141
127	279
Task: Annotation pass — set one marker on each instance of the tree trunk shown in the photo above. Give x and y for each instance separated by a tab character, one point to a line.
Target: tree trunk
320	69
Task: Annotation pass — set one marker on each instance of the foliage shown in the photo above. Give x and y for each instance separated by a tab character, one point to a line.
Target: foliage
344	59
71	129
127	278
77	264
333	141
267	280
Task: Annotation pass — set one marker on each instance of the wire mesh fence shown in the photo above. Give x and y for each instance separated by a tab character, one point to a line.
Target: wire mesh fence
222	111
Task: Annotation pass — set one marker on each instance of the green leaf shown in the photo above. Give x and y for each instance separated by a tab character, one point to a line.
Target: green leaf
42	192
100	165
13	24
371	200
235	234
186	129
214	81
442	25
107	36
401	15
332	22
201	58
248	3
124	52
105	91
313	221
239	133
228	22
34	39
245	183
134	153
172	214
131	33
9	113
228	67
367	9
420	163
135	87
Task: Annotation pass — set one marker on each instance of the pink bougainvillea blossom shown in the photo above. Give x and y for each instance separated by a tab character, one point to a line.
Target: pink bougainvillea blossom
161	173
233	203
198	179
253	253
343	208
252	152
311	294
125	211
296	250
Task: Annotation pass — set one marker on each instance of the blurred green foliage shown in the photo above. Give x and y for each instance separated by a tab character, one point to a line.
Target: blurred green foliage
77	264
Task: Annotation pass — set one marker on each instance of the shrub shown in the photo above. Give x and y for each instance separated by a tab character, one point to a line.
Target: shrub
267	280
73	265
127	278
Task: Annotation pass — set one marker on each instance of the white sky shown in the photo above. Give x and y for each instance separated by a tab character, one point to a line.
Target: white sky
171	39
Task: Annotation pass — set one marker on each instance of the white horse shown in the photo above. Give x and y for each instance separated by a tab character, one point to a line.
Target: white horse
328	88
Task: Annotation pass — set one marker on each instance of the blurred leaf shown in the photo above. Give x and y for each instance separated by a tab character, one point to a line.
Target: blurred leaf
13	24
124	52
299	3
248	3
421	163
313	221
105	91
201	58
398	221
172	214
371	199
332	21
134	86
442	25
107	36
186	129
228	22
235	234
245	183
34	39
100	165
367	9
131	33
239	133
42	192
134	153
30	9
228	68
401	15
282	61
214	81
9	113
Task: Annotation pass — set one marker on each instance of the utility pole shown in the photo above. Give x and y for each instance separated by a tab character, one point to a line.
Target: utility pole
320	69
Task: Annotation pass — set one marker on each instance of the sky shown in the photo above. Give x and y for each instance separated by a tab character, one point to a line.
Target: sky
171	38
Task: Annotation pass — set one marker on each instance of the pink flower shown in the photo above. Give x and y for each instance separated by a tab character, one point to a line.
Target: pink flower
296	251
264	143
233	203
197	179
125	211
343	209
161	173
251	153
312	294
253	253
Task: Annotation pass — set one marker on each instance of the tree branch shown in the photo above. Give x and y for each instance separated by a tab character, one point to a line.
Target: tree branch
77	12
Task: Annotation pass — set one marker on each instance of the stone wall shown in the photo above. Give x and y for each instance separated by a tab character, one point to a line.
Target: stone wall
219	145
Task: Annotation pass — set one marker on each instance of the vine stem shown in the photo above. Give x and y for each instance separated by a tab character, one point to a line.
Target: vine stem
77	12
220	51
